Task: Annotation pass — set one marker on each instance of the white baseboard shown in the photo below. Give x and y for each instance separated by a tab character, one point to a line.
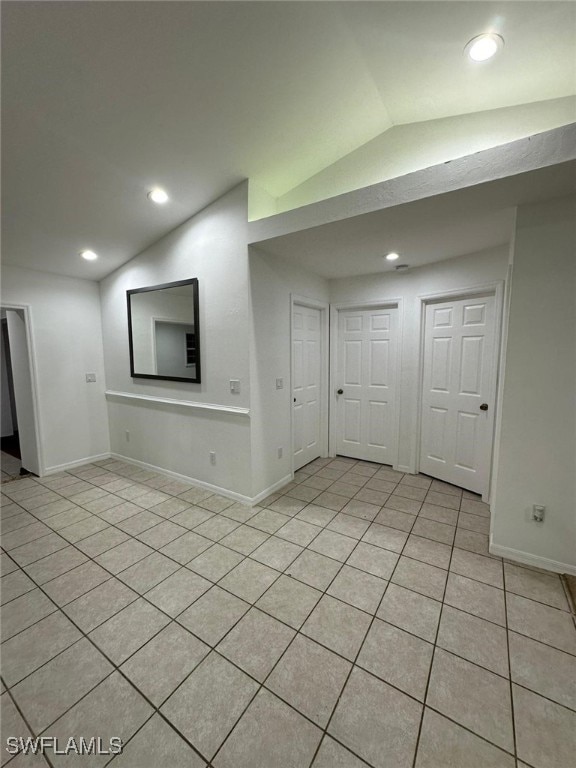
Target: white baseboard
267	491
173	475
528	559
200	483
74	464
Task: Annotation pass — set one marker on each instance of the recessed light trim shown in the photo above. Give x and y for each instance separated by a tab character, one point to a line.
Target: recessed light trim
484	47
89	255
392	256
158	196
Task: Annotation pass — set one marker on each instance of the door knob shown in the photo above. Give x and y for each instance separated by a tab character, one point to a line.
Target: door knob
294	399
340	391
484	407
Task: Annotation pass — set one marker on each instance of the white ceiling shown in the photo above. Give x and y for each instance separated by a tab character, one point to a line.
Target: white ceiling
103	100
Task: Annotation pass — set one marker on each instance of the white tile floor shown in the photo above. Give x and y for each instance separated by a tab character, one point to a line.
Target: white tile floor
356	618
10	466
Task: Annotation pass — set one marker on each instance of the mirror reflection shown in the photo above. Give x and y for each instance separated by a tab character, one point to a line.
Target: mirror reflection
164	333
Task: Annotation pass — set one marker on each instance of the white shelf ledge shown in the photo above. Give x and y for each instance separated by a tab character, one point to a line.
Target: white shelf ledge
129	396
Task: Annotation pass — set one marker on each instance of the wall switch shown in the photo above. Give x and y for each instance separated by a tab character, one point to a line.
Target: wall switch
280	452
235	386
279	383
127	436
212	457
90	378
538	512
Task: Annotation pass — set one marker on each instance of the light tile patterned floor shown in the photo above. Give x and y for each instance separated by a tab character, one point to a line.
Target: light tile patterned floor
10	466
356	618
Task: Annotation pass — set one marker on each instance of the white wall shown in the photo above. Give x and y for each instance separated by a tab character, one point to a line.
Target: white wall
453	274
407	148
67	339
537	462
212	247
272	281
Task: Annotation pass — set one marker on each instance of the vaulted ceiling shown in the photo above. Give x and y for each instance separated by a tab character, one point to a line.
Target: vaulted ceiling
102	100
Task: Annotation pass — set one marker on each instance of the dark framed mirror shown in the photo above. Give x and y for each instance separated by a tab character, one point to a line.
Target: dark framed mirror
164	331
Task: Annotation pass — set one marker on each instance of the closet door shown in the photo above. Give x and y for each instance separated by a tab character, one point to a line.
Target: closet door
366	384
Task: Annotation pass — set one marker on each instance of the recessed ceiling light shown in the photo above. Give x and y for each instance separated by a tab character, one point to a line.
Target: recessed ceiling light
483	47
392	257
89	255
158	195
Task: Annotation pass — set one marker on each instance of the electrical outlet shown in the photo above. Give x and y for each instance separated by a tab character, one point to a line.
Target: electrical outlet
235	386
90	378
212	457
279	383
538	512
127	436
280	452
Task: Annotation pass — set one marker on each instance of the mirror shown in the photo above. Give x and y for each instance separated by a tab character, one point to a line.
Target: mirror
164	331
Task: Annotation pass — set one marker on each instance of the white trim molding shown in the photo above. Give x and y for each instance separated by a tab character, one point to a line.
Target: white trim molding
152	400
252	501
74	464
527	558
267	491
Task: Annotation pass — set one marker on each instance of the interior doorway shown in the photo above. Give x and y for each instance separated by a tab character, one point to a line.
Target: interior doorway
459	372
9	440
309	383
19	411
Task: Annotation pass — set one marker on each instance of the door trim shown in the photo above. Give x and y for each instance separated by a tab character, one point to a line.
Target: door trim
386	303
495	289
27	310
324	307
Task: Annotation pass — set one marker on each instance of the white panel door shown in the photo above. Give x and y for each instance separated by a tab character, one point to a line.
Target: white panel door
23	391
306	384
366	384
458	392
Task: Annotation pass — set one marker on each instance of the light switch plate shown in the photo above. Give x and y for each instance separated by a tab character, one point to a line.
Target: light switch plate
90	378
279	383
235	386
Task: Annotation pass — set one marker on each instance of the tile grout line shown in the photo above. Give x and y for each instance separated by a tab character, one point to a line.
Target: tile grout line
297	633
115	668
253	605
186	565
22	715
435	645
354	662
508	656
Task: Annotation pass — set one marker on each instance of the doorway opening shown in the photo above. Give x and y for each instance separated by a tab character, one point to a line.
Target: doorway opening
19	438
9	440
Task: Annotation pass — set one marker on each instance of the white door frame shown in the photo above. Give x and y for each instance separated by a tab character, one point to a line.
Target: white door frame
324	307
386	303
495	289
27	311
